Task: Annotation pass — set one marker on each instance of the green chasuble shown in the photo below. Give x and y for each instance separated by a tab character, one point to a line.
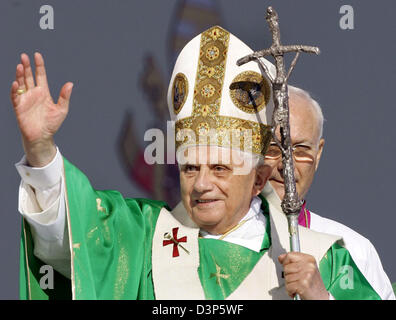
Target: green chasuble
111	240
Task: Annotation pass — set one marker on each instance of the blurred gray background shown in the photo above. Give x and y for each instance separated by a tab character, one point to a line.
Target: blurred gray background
102	46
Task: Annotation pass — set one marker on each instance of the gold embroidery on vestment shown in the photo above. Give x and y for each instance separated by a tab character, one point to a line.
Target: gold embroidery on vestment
90	233
99	206
218	274
306	217
76	245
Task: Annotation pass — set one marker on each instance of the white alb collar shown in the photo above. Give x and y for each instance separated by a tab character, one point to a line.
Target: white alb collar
251	233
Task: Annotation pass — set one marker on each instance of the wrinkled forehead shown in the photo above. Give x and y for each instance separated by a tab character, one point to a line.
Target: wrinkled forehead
200	155
304	124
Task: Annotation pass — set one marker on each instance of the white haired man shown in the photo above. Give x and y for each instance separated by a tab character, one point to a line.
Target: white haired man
306	125
225	240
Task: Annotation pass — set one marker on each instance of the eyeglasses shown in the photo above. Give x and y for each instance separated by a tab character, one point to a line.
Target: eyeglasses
301	153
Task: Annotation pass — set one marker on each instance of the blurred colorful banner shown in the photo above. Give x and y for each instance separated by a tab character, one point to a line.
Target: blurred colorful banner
161	181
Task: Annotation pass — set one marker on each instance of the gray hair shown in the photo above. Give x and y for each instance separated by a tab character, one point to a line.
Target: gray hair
312	102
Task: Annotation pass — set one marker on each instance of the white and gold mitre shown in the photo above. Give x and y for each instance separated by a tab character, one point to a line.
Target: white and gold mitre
209	93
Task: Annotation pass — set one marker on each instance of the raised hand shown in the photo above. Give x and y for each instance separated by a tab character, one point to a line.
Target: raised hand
39	118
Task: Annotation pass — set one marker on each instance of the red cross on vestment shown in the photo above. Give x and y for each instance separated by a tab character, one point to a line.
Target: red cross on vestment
175	241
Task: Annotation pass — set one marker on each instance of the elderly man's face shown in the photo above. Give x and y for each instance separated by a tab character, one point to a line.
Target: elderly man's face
304	132
214	196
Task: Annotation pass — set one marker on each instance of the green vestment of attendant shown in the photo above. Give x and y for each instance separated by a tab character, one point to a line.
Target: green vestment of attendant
111	240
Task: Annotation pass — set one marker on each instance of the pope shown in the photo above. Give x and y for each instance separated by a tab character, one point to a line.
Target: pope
226	239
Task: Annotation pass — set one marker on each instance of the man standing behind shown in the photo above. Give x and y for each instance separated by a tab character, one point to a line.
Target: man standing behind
306	126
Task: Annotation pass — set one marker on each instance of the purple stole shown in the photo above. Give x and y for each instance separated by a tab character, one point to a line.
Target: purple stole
304	218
